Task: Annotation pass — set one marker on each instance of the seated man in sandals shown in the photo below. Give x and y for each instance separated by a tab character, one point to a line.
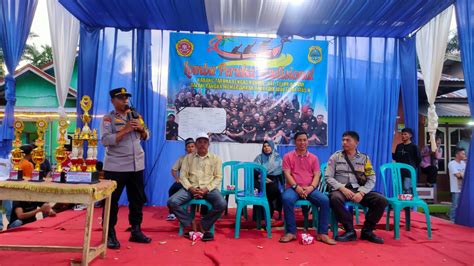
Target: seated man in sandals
201	176
301	169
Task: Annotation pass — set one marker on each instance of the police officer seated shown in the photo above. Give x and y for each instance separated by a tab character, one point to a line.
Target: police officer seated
351	177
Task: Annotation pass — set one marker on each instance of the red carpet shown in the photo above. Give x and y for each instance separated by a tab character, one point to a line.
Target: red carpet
451	244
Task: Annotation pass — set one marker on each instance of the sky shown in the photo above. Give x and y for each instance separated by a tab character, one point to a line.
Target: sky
40	25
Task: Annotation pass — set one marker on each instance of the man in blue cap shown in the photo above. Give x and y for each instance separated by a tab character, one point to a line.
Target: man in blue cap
122	130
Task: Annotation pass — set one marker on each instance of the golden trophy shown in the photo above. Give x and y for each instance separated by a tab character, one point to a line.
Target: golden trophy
84	170
60	154
17	154
91	160
86	104
77	151
38	153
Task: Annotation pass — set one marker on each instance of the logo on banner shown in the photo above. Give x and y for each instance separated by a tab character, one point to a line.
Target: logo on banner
184	47
315	54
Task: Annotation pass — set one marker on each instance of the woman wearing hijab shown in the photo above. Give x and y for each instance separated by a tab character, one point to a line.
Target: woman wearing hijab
271	160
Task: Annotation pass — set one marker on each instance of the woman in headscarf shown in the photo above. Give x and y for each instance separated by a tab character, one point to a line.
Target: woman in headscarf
271	160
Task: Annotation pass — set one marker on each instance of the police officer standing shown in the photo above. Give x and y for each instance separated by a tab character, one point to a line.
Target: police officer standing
121	133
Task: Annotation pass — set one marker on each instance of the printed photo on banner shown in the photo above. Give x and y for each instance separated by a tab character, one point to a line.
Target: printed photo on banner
247	89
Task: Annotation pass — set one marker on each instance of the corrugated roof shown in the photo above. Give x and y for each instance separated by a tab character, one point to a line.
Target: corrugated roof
444	77
447	109
459	94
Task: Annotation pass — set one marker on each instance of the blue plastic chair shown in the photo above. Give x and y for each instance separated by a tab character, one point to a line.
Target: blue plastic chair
193	211
224	191
246	195
396	204
356	208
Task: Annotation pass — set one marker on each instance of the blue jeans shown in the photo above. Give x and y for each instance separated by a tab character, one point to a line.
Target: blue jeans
7	209
183	196
14	224
454	205
317	198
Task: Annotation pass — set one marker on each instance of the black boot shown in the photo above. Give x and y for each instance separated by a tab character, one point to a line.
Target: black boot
347	236
138	236
112	241
370	236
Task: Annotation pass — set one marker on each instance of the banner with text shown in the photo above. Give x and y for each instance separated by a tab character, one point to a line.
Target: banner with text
267	89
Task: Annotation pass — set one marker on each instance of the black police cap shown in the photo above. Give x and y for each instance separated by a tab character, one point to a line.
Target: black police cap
119	92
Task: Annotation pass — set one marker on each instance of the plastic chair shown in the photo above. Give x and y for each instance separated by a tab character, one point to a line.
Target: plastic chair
193	211
246	195
396	204
355	207
224	191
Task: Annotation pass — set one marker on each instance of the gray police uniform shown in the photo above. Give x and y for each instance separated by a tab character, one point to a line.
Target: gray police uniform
126	155
124	163
338	174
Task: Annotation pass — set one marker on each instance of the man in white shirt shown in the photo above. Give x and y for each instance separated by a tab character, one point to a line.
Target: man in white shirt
456	174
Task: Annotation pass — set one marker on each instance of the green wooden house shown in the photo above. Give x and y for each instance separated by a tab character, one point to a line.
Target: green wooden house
36	98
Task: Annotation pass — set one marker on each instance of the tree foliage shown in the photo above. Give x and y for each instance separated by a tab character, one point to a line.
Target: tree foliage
453	44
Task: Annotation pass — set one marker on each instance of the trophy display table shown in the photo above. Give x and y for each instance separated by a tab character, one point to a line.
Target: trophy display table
64	193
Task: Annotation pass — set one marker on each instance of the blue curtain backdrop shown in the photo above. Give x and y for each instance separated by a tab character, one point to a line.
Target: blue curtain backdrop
409	84
15	22
88	53
465	21
130	59
364	85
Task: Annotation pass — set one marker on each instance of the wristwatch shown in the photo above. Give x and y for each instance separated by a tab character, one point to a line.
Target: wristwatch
294	186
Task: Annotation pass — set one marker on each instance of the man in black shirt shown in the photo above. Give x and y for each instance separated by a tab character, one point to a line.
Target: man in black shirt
24	212
171	128
273	133
321	130
249	129
310	119
261	129
408	153
312	138
235	130
287	131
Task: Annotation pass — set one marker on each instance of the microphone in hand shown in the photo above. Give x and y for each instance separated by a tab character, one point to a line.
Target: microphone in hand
134	113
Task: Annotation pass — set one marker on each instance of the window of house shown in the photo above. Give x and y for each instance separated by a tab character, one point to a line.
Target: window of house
458	137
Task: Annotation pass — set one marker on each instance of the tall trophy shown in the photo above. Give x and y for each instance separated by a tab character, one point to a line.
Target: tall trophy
38	154
60	154
17	154
84	170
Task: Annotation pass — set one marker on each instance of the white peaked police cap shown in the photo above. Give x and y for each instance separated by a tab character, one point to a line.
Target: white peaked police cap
202	135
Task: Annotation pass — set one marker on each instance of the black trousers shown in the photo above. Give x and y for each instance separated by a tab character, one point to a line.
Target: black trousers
274	197
431	173
133	181
273	193
373	200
